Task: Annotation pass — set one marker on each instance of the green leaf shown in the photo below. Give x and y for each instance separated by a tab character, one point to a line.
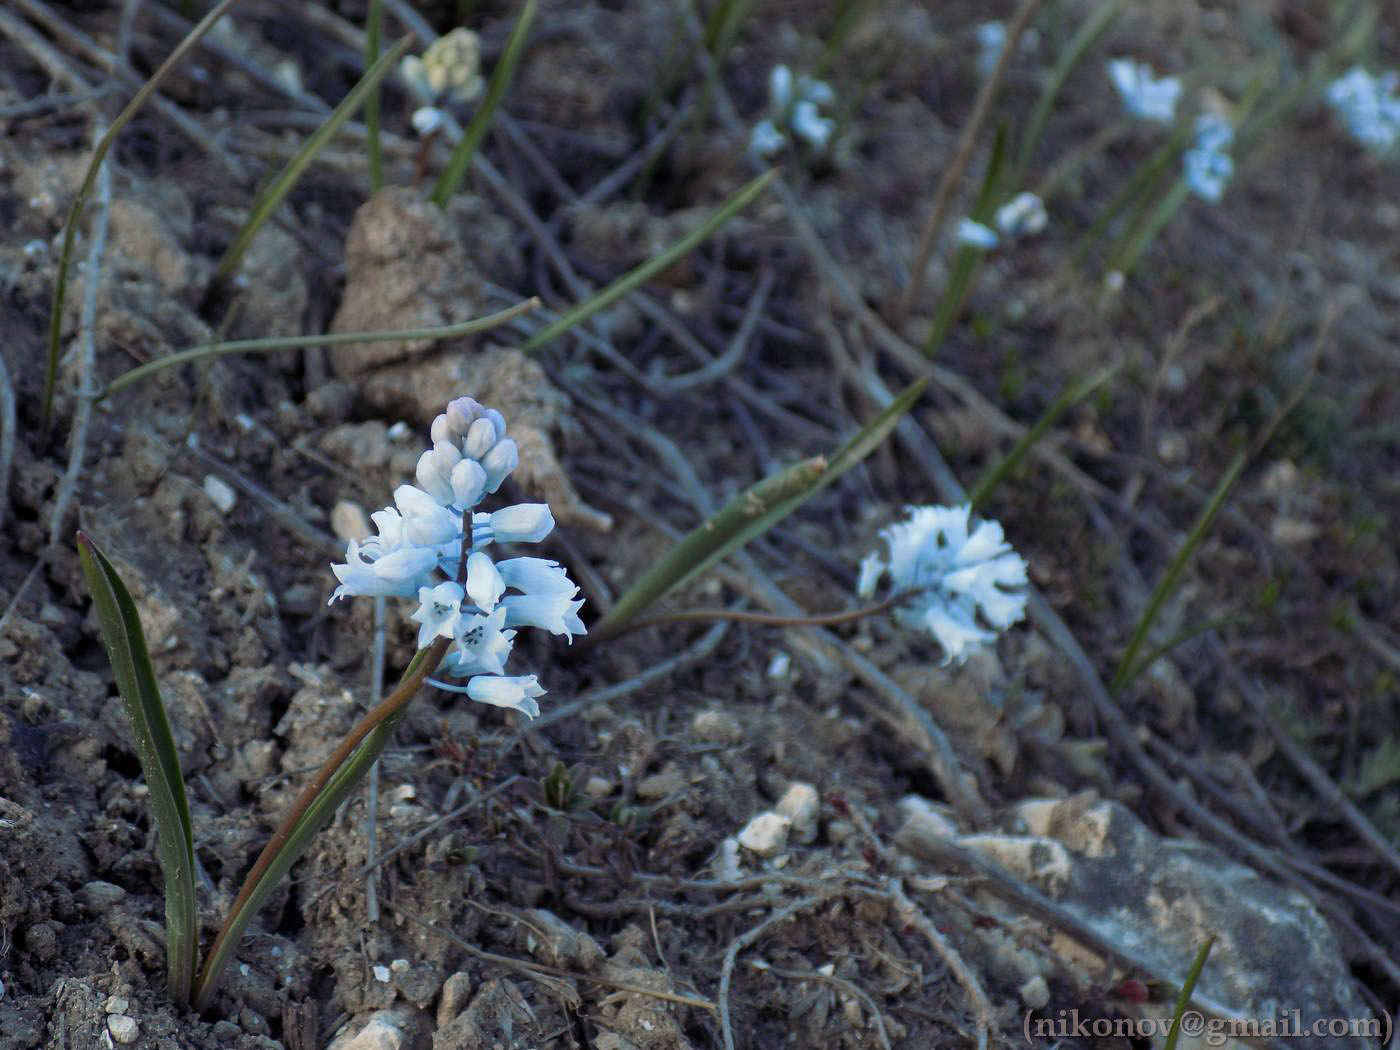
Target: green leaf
460	161
750	514
1068	399
298	342
160	761
1184	999
646	271
374	24
1130	663
271	198
298	837
70	225
1094	27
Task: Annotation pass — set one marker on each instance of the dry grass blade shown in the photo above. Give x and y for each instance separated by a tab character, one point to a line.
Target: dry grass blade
271	198
70	226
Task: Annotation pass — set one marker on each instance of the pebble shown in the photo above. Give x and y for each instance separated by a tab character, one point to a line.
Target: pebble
220	493
98	896
716	726
115	1004
124	1029
382	973
598	787
456	990
800	804
349	521
383	1032
660	785
399	966
765	834
1035	993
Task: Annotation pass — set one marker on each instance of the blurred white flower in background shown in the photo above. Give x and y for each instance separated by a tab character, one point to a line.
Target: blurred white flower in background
971	584
1369	106
1022	216
1207	164
1145	95
991	41
794	105
420	544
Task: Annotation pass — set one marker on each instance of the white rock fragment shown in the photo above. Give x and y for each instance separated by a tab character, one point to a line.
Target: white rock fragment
400	966
220	493
716	726
115	1004
381	973
930	821
727	867
1035	993
123	1029
800	804
384	1031
349	521
780	665
456	990
766	834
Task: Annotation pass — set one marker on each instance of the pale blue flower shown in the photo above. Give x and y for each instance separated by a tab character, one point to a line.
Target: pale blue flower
793	104
1022	216
439	610
970	583
974	234
1144	94
991	42
1369	106
1207	165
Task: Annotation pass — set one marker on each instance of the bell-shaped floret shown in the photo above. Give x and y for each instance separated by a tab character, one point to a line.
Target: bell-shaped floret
439	610
522	523
484	583
503	458
556	613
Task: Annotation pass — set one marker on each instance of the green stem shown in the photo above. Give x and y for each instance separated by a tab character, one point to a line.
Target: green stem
248	346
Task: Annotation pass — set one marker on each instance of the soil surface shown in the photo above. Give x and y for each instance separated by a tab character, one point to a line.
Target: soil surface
582	881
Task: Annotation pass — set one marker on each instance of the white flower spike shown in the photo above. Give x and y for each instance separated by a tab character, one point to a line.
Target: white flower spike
794	108
423	538
960	575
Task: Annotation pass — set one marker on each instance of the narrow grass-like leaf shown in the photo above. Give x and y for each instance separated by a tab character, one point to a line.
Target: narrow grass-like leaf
1159	651
125	643
967	263
75	210
271	198
1183	999
1094	27
460	162
1071	396
1139	185
374	24
291	842
300	342
1150	221
1169	580
750	514
656	264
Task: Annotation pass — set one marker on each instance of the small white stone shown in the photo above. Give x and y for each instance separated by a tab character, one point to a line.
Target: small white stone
220	493
399	431
115	1004
1035	993
800	804
727	867
780	665
716	726
381	973
123	1029
349	521
400	966
765	834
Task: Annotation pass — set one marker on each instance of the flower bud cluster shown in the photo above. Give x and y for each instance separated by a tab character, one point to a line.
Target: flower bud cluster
794	103
1207	165
448	73
1369	106
424	538
958	574
1023	215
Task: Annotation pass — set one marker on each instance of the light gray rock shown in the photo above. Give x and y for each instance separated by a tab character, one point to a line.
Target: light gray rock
1162	898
